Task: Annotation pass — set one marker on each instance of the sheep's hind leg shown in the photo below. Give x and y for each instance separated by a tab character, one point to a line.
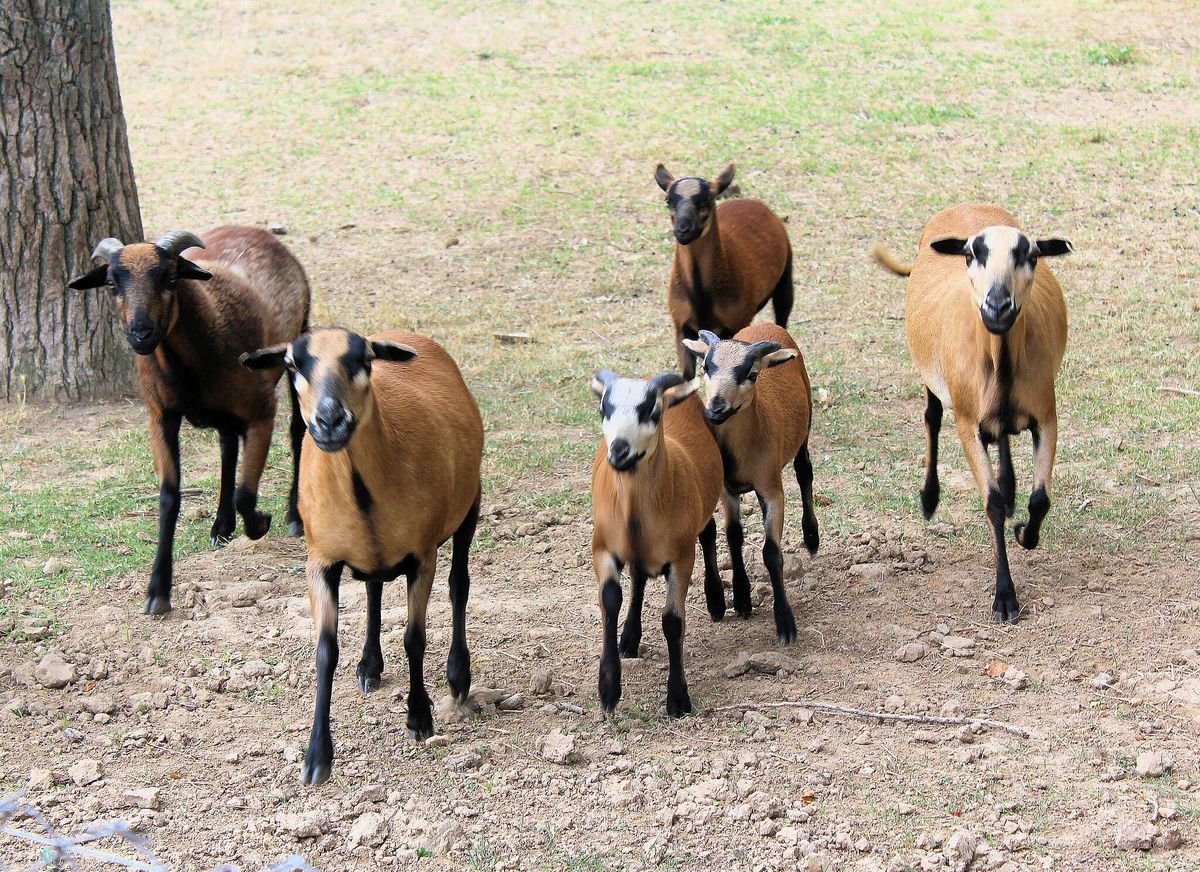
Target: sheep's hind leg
226	518
370	667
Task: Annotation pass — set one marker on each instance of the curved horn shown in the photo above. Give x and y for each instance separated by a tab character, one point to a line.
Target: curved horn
107	248
174	241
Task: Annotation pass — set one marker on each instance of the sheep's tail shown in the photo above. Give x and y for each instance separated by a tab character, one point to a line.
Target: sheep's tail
888	260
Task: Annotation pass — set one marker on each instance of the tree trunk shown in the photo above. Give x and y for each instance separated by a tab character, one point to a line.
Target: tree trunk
66	181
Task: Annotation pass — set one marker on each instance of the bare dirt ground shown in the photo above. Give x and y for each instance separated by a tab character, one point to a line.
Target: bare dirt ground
210	709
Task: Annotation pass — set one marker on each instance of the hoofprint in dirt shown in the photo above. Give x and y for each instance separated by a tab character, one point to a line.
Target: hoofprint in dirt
194	727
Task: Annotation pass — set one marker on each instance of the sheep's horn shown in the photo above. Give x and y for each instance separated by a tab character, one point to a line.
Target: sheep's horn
174	241
107	248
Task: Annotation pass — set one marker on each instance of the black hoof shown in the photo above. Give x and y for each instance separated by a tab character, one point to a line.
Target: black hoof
717	616
420	734
630	647
1005	613
296	529
156	605
610	695
257	526
812	539
420	721
318	762
679	704
315	777
218	541
743	612
785	626
929	502
1024	538
458	673
370	676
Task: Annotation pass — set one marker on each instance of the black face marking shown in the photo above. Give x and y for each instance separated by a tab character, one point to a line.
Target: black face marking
701	200
978	251
606	407
645	409
362	494
302	361
1021	250
354	360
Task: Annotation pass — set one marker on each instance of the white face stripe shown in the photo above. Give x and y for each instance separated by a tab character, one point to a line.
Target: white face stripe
1000	267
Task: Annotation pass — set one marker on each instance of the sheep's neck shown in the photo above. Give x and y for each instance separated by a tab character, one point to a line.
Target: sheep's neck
649	489
703	262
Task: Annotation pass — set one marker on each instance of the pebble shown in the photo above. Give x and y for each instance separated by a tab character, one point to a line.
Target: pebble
464	760
958	646
371	829
960	849
53	566
540	681
446	837
910	652
98	703
1151	764
86	772
145	797
54	672
303	825
558	747
1134	836
40	779
872	571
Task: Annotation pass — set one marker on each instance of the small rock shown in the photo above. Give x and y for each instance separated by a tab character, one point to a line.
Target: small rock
1135	836
773	663
1015	678
512	703
40	779
1103	680
371	829
894	703
277	228
872	571
1151	764
958	646
145	797
959	850
540	681
98	703
464	760
256	668
558	747
740	665
1171	838
53	566
446	837
54	672
303	825
86	772
910	652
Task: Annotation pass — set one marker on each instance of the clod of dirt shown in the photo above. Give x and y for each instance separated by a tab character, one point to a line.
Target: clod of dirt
1151	764
53	566
1135	836
512	703
40	779
740	665
86	772
256	668
371	829
872	571
959	850
464	760
958	646
1103	680
445	838
894	703
302	825
1015	678
910	652
54	672
145	797
98	703
1171	838
558	747
773	663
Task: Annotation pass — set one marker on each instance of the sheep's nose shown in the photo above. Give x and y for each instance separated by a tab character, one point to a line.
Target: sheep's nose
331	415
619	450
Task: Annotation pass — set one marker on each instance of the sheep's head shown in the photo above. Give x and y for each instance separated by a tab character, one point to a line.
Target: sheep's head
691	201
331	369
731	370
1000	264
142	277
631	413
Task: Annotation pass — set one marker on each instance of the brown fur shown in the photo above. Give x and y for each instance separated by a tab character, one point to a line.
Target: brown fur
649	520
769	429
960	362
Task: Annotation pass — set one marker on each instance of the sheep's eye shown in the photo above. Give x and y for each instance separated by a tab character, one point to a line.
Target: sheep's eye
970	258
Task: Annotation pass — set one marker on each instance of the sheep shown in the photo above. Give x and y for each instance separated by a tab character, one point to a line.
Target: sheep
987	337
188	320
655	482
760	408
724	270
395	473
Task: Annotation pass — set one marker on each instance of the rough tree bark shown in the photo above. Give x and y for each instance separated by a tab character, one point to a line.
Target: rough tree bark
66	181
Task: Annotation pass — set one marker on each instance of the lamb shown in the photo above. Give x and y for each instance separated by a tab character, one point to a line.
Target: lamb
759	405
390	470
729	260
987	329
655	482
188	320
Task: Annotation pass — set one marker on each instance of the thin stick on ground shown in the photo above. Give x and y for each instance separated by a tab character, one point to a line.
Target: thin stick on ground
1184	392
882	716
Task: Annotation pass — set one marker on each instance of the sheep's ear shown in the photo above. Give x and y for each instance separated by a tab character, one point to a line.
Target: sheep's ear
265	358
663	177
383	350
94	279
1054	247
601	381
677	393
783	355
709	338
949	245
723	181
185	269
696	347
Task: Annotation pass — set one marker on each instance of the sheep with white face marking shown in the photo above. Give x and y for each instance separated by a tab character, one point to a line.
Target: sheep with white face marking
188	319
987	328
760	408
389	472
655	482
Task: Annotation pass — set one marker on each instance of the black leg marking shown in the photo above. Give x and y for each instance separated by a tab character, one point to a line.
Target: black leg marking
1005	608
784	294
714	591
610	663
785	621
804	477
158	595
1027	535
420	708
226	518
1008	478
741	581
678	701
255	523
931	492
318	761
294	521
631	632
370	668
458	664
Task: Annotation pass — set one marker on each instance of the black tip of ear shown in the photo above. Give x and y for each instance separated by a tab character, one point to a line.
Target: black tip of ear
91	279
392	351
708	338
663	177
185	269
949	245
1054	247
767	346
665	380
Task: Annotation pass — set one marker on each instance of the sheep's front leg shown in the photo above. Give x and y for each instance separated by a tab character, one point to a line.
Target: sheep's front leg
714	590
608	581
226	518
631	632
420	708
772	502
678	575
258	443
1045	443
370	667
1005	607
164	440
731	506
323	582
